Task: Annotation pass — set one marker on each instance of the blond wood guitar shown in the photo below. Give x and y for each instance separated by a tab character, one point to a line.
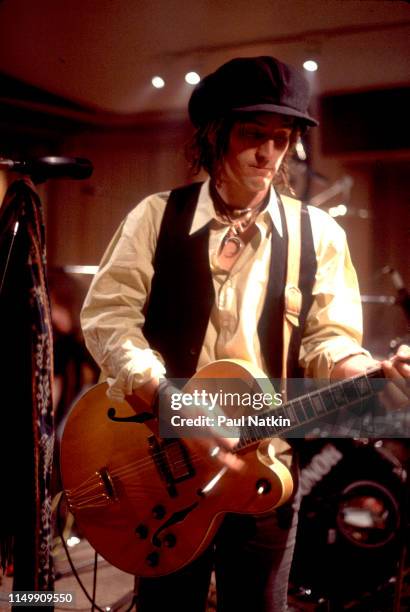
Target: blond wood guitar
150	505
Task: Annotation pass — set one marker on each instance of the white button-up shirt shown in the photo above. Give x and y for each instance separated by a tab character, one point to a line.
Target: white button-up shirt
113	312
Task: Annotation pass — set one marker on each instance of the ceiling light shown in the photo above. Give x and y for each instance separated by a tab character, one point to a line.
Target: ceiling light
192	78
310	65
338	211
158	82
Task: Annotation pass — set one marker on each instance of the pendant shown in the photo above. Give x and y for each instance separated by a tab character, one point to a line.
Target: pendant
231	246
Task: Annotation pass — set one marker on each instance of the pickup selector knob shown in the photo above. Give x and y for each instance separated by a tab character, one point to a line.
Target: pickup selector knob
263	486
152	559
142	531
170	540
159	511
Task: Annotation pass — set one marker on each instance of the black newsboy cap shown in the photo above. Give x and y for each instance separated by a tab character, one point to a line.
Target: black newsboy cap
251	84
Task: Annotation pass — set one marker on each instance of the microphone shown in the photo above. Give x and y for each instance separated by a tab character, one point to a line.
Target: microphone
44	168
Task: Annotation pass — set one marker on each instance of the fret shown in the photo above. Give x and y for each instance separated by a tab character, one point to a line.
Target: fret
350	391
376	380
279	412
266	431
300	413
254	432
245	436
338	395
363	386
279	429
317	404
308	407
328	400
291	414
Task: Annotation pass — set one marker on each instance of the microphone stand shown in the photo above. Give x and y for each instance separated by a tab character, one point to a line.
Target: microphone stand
40	170
44	168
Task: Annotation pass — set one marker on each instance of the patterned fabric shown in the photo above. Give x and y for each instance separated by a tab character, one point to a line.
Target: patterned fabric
26	415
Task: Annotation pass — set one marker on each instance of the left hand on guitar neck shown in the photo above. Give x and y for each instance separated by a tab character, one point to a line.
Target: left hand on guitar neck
397	369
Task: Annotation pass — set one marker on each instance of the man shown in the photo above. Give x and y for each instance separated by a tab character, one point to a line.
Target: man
199	275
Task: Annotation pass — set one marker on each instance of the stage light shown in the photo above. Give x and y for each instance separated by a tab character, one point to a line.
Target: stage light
192	78
338	211
310	65
158	82
73	541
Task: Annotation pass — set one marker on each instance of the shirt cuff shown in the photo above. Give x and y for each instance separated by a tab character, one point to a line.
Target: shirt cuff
143	366
322	365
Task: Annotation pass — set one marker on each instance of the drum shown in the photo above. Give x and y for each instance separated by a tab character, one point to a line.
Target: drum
350	519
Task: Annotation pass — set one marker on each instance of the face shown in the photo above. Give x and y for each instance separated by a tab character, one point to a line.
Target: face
256	149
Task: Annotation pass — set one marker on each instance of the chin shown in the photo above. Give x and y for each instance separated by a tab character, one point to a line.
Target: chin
257	184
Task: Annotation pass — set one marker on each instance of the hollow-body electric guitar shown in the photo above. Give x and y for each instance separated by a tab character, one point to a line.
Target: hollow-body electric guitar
150	505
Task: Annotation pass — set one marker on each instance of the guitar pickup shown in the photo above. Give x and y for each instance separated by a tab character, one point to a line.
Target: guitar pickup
172	461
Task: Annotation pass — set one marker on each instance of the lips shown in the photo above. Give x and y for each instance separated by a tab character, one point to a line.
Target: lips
261	171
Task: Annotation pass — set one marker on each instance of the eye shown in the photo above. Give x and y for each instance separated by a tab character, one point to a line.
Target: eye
251	133
281	139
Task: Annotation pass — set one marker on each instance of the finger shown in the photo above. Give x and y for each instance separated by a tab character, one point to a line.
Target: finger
401	361
232	461
396	368
398	377
228	443
403	352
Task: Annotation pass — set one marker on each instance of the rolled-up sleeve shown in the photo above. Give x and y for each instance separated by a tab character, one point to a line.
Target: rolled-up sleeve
112	317
334	326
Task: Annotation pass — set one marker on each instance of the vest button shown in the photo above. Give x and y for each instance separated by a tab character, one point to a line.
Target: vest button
193	351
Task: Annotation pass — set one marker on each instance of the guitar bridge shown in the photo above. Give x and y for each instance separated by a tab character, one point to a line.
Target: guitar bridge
108	484
95	492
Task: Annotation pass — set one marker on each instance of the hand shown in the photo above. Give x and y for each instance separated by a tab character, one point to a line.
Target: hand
156	394
216	440
399	366
143	397
398	370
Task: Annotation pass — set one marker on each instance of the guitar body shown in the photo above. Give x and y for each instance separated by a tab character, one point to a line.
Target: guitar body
150	506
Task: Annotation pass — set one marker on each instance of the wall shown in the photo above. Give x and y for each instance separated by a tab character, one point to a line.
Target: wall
135	161
128	165
378	229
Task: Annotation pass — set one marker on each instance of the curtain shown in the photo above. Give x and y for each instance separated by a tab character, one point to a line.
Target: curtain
26	416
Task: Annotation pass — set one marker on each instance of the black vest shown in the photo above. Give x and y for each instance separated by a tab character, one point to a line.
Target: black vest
182	293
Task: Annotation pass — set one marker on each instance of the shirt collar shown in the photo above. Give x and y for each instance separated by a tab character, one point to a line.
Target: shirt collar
205	210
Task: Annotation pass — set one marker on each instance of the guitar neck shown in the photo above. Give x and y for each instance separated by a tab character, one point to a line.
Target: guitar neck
304	411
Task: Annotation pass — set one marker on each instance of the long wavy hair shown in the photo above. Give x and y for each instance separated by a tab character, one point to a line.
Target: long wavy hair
209	144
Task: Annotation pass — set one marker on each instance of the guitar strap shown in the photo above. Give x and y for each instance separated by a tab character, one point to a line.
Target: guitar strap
293	295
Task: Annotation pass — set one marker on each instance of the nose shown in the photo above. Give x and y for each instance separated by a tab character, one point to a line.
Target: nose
266	149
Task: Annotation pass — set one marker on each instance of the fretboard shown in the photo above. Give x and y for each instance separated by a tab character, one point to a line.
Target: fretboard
308	409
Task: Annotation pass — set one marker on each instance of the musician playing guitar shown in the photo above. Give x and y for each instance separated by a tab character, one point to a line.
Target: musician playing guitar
197	275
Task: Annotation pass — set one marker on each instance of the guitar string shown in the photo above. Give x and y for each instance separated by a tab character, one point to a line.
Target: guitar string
129	468
123	475
88	486
76	495
85	489
134	491
124	471
144	462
